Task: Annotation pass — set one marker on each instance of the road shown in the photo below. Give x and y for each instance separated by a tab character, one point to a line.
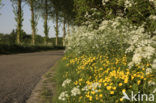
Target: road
20	73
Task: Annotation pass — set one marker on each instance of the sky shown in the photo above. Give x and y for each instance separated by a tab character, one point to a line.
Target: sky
8	23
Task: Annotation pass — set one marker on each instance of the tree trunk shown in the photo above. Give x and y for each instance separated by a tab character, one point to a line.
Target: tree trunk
19	21
68	30
64	31
46	22
57	31
32	22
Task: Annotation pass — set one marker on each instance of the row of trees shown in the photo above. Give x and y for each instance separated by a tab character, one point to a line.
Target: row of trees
57	10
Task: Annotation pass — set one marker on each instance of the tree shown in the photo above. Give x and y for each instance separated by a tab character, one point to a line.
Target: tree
0	4
46	28
43	8
17	9
62	10
55	14
64	30
66	14
56	27
33	22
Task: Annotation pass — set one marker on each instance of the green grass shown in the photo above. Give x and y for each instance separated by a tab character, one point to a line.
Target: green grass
60	70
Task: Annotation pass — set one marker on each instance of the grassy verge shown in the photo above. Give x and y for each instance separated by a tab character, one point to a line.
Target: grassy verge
46	91
13	49
61	69
51	86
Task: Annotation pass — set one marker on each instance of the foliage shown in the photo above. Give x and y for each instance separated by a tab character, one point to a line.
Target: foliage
8	43
66	9
14	48
0	3
136	11
9	39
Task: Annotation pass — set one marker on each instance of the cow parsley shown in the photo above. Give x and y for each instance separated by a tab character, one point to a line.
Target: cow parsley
67	81
75	91
63	96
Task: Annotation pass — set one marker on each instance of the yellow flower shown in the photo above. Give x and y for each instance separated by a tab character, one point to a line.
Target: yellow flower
112	92
132	78
139	82
121	99
93	92
114	88
90	98
80	80
100	95
120	84
80	97
126	80
148	65
108	87
142	77
99	90
97	97
76	83
105	84
123	91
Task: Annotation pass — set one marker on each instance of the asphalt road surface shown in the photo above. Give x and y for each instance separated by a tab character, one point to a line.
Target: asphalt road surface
20	73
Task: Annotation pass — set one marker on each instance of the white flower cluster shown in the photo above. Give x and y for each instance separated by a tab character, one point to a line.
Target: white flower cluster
93	87
85	39
151	0
151	83
75	91
154	2
141	46
104	2
153	17
148	71
145	52
67	81
128	3
63	96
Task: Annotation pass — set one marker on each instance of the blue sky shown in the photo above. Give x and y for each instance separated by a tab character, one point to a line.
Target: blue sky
7	21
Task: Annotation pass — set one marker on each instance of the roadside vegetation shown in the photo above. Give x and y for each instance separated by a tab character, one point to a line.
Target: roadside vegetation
110	53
